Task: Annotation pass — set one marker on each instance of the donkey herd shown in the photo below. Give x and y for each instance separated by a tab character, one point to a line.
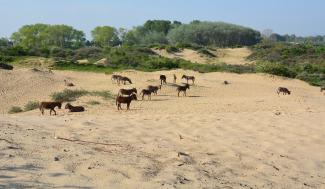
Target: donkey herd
126	96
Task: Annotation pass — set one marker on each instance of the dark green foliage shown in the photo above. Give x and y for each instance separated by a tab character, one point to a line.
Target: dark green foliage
6	66
31	105
172	49
15	109
68	95
213	33
206	52
88	53
93	102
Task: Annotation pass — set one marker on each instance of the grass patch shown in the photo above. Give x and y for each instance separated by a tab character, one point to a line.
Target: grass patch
93	103
31	105
68	95
15	109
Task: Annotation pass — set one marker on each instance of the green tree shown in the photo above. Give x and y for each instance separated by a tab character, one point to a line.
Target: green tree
40	36
105	36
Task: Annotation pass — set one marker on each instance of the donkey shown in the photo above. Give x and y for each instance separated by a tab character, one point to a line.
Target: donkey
163	79
49	106
68	84
127	92
74	108
188	78
154	89
124	80
125	100
147	93
183	89
116	78
175	78
283	90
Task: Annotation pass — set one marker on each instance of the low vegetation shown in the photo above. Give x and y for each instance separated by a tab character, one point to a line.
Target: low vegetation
31	105
93	103
15	109
68	95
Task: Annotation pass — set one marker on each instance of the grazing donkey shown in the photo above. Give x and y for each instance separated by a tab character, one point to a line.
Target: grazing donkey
183	89
154	89
49	106
74	108
175	78
124	80
116	78
163	79
188	78
125	100
127	92
68	84
283	90
147	93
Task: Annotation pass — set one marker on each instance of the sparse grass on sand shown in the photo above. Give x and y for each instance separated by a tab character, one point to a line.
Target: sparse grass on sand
68	95
15	109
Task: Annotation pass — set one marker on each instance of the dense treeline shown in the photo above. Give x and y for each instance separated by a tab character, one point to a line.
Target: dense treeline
214	34
44	36
317	40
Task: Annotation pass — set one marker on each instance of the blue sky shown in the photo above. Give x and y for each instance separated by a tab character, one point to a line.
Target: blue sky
300	17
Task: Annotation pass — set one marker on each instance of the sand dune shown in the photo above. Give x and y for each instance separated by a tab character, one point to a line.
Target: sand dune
242	135
234	56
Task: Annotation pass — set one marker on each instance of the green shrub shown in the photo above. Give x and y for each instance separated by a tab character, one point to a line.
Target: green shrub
31	105
275	69
172	49
68	95
106	95
15	109
93	102
206	52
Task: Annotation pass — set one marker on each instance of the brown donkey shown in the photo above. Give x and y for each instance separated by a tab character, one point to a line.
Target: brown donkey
163	79
74	108
188	78
183	89
154	89
283	90
49	106
127	92
125	100
147	93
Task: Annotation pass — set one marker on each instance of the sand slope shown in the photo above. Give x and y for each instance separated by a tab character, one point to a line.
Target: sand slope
237	136
234	56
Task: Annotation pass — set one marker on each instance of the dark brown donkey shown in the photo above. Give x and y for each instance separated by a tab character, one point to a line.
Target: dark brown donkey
188	78
74	108
163	79
49	106
146	92
116	78
154	89
125	100
183	89
127	92
283	90
124	80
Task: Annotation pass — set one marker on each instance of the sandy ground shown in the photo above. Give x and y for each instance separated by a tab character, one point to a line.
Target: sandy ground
234	56
242	135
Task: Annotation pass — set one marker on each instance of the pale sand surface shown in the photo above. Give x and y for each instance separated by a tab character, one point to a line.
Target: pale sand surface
234	56
237	136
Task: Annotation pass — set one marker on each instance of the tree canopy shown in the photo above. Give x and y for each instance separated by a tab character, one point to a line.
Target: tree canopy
44	36
105	36
213	33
